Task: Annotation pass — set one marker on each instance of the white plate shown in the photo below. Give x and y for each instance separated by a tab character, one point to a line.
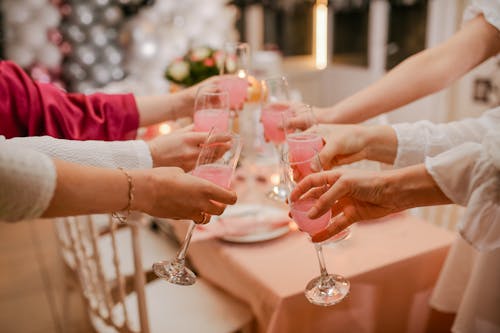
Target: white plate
261	235
258	237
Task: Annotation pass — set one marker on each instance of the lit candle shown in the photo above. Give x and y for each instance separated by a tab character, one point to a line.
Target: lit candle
275	179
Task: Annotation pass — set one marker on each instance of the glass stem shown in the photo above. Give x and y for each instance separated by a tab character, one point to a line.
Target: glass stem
321	259
279	149
181	255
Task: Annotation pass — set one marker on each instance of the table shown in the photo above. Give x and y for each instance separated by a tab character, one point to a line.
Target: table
392	266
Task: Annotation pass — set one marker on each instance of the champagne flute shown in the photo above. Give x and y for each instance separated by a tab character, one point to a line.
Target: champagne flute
303	143
274	103
235	59
211	109
326	289
216	163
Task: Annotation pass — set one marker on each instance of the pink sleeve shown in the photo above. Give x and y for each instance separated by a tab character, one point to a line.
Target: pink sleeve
28	108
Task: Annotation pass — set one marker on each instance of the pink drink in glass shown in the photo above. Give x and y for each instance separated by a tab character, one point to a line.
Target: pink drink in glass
302	147
272	120
216	173
237	89
205	119
299	211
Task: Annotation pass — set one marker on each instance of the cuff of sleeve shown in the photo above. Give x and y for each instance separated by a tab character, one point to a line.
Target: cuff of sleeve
410	148
487	8
49	189
143	154
454	171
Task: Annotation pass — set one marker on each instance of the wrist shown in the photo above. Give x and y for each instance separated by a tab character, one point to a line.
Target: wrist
144	191
413	187
381	143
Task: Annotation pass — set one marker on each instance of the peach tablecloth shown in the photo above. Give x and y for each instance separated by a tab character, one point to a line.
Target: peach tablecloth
392	266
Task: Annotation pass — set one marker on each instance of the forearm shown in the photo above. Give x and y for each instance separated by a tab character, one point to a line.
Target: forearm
413	187
132	154
88	190
420	75
155	109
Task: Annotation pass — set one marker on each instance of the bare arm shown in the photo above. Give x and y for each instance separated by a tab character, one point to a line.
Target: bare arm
420	75
155	109
164	192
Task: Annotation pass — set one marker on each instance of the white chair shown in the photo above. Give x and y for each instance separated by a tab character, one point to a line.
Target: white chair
155	246
155	307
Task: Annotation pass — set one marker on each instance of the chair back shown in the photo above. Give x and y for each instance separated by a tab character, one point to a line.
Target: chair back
103	298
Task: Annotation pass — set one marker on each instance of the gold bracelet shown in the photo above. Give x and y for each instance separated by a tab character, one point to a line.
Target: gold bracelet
116	215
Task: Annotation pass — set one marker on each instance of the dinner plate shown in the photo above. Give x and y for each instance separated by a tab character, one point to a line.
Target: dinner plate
257	237
259	234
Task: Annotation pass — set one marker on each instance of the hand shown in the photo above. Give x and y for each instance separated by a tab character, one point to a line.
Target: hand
186	97
351	195
357	195
172	193
180	148
346	144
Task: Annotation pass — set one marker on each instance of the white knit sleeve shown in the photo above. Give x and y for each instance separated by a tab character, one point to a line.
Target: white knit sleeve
27	182
133	154
470	175
423	138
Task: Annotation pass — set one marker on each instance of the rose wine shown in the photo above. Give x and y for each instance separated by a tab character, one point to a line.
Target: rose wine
272	120
205	119
299	210
216	173
302	147
237	89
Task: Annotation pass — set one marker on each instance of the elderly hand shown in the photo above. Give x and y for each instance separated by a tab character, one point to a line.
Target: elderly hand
358	195
180	148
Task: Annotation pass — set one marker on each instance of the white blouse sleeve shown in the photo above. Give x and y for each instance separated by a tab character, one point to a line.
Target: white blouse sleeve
132	154
470	175
27	182
423	138
489	8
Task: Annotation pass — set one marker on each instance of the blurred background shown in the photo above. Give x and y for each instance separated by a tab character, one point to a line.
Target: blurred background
328	49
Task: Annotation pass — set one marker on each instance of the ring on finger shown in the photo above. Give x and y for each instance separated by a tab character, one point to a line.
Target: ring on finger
205	218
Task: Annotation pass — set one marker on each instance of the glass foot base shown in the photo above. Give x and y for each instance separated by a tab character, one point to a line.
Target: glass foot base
328	290
278	193
174	272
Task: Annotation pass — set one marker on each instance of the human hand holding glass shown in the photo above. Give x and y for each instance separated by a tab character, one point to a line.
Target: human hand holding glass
211	109
326	289
216	163
235	59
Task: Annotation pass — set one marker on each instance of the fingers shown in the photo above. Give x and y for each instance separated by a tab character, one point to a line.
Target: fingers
219	194
201	218
328	199
338	223
214	208
328	156
315	193
314	180
188	128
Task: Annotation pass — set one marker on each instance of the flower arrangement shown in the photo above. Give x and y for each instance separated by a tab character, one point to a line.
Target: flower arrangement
197	65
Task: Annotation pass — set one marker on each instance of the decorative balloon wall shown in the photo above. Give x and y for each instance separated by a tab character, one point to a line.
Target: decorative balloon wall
112	45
